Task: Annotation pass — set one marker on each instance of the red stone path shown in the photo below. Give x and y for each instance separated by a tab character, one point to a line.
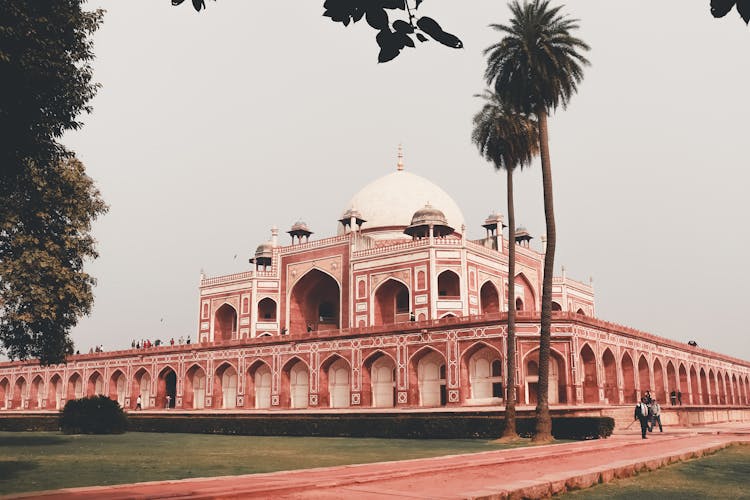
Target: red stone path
519	473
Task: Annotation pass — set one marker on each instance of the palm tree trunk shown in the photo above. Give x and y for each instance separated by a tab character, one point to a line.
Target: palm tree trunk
543	419
510	399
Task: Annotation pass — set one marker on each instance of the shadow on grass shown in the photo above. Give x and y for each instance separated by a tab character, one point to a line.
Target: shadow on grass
12	469
23	439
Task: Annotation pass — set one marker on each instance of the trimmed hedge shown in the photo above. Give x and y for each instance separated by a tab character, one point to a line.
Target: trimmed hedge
35	423
437	425
444	426
94	415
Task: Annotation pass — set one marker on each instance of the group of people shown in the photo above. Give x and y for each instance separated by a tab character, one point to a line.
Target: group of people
648	413
146	343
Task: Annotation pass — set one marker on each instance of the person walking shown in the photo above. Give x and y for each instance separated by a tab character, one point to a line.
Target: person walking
641	414
673	397
679	397
655	413
138	403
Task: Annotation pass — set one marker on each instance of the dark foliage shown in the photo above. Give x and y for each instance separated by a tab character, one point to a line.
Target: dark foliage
720	8
392	36
94	415
46	200
439	425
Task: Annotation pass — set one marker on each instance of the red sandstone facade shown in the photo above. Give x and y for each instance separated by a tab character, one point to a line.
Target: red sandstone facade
399	309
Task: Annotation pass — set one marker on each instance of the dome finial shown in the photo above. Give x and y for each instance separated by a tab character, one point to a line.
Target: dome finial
400	164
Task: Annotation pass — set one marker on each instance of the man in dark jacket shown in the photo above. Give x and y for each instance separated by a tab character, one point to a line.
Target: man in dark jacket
641	414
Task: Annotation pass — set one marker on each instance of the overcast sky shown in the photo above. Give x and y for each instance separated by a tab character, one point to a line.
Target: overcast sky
210	128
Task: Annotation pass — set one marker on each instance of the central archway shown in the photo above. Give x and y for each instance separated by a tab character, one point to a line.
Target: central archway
381	371
391	303
590	379
314	303
225	323
611	391
628	379
118	387
166	386
489	298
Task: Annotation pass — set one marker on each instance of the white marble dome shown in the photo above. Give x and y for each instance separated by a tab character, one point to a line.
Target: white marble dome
388	204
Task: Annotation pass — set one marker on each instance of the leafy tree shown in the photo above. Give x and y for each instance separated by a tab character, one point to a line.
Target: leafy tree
44	239
536	67
47	202
509	140
720	8
392	37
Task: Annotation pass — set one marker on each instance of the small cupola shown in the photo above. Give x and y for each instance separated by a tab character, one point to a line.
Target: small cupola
427	221
351	218
523	237
300	230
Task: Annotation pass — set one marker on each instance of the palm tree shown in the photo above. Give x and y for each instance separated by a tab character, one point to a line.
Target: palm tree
508	139
536	67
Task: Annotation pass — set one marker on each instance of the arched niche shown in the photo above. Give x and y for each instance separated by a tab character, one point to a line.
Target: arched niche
314	303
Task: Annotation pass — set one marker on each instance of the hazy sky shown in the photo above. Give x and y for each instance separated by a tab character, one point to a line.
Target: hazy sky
210	128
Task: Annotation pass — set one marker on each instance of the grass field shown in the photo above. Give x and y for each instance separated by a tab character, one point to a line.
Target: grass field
32	461
724	475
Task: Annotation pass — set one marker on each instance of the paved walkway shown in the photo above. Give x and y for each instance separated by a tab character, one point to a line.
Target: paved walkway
523	472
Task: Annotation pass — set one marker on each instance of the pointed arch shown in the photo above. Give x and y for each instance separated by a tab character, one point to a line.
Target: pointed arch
673	380
75	386
225	323
390	302
141	386
56	392
449	285
481	365
21	391
611	391
644	377
558	376
379	379
5	393
628	378
295	384
95	384
166	388
427	377
334	388
314	302
267	309
703	387
258	385
525	292
194	393
37	393
590	377
659	382
118	386
225	385
694	386
489	298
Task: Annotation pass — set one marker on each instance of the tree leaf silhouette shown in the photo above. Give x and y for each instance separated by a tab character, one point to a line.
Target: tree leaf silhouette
377	18
389	45
421	37
402	26
743	7
720	8
199	4
432	28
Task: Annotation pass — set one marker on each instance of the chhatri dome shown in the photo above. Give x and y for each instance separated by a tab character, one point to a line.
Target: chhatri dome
389	203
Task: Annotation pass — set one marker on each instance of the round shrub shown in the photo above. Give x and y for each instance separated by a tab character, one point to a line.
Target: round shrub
94	415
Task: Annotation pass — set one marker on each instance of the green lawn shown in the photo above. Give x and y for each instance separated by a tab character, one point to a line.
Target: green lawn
32	461
726	474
